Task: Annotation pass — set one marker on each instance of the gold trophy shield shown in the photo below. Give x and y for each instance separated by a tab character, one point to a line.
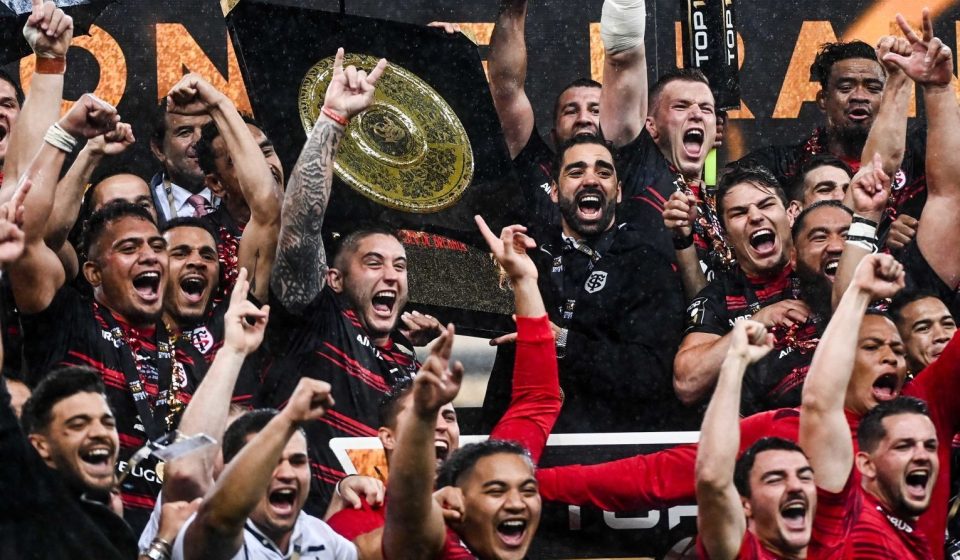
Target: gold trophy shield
408	151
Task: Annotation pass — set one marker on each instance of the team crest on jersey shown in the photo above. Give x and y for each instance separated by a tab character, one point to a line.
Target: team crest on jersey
696	310
899	180
595	282
201	339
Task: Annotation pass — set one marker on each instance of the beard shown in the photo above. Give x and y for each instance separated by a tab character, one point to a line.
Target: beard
568	211
815	290
852	138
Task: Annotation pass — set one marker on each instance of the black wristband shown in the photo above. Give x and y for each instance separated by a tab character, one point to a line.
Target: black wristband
681	243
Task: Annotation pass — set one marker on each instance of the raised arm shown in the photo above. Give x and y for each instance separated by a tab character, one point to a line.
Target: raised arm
414	528
191	476
258	247
679	213
930	64
300	270
720	520
535	395
38	274
71	187
217	531
824	431
623	99
49	32
507	67
888	134
867	197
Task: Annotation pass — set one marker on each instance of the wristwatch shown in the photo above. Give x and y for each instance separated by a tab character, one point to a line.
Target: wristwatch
159	550
562	343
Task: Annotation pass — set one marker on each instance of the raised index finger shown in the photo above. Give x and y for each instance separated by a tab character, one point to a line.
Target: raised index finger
491	239
240	287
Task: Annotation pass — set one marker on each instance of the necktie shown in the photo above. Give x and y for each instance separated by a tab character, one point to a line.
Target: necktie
201	207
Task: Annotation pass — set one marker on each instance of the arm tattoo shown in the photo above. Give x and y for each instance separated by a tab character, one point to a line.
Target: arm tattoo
300	270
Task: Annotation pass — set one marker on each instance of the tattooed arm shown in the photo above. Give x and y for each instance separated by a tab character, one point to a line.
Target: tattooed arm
300	270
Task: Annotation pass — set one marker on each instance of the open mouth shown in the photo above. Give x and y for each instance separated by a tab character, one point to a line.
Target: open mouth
830	269
383	302
100	458
590	204
512	532
794	514
885	387
3	133
763	241
587	129
693	142
283	500
858	114
442	449
917	482
147	284
193	287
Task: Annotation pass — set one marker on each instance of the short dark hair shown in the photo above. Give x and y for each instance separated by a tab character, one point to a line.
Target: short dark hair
831	53
18	91
108	214
205	155
578	83
871	431
59	384
675	75
463	460
741	471
190	221
577	140
905	298
795	188
250	423
348	242
802	217
756	175
389	406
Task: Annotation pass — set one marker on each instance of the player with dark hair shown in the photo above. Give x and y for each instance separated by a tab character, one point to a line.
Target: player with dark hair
926	327
11	100
535	400
256	507
861	90
501	504
581	107
334	323
752	210
762	504
822	177
149	375
614	302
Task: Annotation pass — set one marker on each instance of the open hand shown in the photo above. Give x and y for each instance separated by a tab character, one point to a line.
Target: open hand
929	62
437	383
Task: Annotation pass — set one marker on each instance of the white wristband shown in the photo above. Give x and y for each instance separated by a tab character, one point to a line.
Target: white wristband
60	139
862	229
622	24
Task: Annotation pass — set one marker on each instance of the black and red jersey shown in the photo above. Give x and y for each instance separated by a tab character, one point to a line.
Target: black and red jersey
327	342
776	381
648	180
909	183
74	331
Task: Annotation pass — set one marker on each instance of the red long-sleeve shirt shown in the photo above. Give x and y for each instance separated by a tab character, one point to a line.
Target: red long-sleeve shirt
666	478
